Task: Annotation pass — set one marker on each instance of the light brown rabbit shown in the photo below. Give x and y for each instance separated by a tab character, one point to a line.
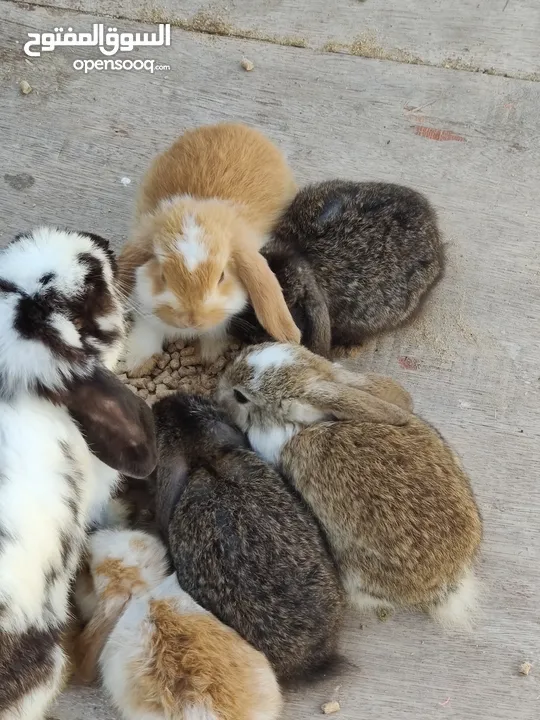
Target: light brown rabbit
161	654
205	209
396	505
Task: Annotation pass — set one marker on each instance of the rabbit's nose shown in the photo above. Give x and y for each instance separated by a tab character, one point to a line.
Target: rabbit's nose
32	313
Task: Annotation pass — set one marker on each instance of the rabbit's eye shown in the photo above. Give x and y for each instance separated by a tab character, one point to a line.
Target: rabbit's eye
221	278
240	397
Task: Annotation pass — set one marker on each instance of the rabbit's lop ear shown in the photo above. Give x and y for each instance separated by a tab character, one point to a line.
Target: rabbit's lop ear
117	425
318	331
264	292
378	385
172	475
342	402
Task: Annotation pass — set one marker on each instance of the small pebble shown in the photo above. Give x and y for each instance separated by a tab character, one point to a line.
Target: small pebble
125	181
248	65
525	668
25	87
331	707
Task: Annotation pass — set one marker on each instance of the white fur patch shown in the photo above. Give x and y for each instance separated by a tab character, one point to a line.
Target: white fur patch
460	607
66	329
34	508
198	712
269	442
145	339
190	245
271	356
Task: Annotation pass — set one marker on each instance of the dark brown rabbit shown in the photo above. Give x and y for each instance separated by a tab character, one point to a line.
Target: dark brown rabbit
353	259
244	545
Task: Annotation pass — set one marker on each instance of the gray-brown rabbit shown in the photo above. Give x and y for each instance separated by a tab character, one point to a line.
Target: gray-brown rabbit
353	259
392	497
244	544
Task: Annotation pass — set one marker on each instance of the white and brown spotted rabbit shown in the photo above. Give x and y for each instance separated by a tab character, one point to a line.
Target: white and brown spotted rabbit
67	427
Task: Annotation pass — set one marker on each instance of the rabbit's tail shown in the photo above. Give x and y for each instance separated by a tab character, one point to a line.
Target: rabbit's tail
459	607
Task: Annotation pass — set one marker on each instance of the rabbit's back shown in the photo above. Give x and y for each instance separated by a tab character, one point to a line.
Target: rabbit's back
168	656
248	549
43	499
394	502
374	248
229	161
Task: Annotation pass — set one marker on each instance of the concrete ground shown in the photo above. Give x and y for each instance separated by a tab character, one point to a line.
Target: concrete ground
445	99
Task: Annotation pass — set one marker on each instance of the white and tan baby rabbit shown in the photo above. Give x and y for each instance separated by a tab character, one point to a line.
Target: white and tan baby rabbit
161	655
205	208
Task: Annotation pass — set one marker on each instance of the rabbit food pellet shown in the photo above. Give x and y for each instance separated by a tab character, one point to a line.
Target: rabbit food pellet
179	367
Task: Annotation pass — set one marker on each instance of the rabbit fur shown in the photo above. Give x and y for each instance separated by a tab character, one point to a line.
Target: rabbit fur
161	655
61	331
392	497
204	210
353	259
243	543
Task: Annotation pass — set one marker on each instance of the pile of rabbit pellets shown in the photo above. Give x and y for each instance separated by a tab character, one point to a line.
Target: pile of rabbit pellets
179	367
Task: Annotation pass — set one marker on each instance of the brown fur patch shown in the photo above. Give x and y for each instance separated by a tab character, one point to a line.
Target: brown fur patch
123	579
196	661
229	161
69	641
93	638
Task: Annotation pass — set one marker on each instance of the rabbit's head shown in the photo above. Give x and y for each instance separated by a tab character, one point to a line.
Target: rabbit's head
60	311
61	332
277	385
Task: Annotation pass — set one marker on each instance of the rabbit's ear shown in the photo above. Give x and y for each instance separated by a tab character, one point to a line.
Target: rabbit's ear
172	475
117	425
264	292
92	640
380	386
341	402
318	332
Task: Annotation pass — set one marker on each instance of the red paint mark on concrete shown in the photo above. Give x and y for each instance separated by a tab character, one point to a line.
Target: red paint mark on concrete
408	363
436	134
